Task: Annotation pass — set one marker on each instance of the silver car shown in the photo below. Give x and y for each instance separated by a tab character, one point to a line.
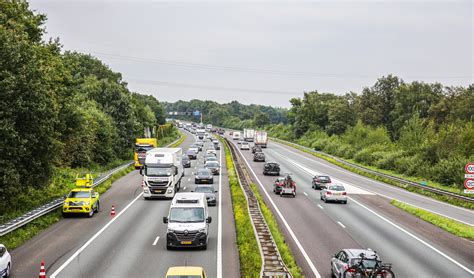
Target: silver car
5	262
334	193
346	258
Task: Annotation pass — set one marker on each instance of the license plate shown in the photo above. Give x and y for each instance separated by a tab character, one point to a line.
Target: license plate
186	242
203	180
337	193
158	191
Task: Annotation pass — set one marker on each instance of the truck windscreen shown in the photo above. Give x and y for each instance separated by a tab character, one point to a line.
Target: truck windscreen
186	215
158	172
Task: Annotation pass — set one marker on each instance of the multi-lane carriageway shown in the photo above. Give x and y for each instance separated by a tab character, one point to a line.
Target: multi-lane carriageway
132	243
315	230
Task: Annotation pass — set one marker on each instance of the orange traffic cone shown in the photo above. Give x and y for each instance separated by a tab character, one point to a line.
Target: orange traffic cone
112	212
42	273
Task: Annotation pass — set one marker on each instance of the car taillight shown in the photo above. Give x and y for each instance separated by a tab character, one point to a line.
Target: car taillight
344	193
351	270
328	192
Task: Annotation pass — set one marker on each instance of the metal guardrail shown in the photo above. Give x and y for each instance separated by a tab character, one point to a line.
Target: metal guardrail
44	209
393	178
272	263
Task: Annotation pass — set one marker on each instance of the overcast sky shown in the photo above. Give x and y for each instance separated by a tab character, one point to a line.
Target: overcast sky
267	52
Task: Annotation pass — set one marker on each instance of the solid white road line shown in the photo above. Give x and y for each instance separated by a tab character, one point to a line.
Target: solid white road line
403	230
381	194
156	240
292	234
321	207
219	220
306	194
79	251
340	224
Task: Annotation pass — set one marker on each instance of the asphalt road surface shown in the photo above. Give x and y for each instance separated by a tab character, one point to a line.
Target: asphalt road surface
316	230
132	244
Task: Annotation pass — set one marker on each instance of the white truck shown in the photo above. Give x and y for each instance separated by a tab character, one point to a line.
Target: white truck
261	139
208	127
249	134
200	133
162	172
236	135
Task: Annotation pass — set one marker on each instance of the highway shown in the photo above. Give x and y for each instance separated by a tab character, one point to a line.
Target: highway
316	231
132	244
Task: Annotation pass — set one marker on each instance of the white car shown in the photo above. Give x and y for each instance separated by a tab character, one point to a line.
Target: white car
5	262
245	146
334	192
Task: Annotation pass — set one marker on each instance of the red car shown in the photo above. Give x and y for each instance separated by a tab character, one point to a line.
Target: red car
278	185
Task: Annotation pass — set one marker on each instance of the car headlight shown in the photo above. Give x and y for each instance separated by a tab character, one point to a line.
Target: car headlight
169	230
203	230
87	203
212	198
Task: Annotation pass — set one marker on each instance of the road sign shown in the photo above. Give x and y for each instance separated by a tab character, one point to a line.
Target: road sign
469	191
197	114
469	184
469	168
469	176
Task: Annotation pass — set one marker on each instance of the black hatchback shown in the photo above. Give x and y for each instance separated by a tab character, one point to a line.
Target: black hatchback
259	157
271	168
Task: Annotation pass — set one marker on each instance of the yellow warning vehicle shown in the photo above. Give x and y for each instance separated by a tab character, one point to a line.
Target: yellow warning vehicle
82	199
186	272
142	145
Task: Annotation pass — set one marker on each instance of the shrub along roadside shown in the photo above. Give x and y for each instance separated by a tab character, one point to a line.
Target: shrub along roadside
443	198
249	253
454	227
285	251
21	235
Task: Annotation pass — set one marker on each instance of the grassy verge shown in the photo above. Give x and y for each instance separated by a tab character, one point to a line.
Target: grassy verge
443	198
284	249
168	138
180	141
249	253
21	235
454	227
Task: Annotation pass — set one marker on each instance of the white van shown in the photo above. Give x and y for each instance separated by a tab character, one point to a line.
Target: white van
162	172
236	135
188	221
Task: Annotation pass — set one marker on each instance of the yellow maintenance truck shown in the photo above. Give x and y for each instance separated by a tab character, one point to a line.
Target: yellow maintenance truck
82	199
142	145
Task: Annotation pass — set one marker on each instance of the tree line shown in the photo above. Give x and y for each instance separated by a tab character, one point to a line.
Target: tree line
59	109
231	115
416	129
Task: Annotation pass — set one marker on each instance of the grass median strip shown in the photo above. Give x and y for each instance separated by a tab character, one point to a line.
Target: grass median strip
454	227
249	253
444	198
283	248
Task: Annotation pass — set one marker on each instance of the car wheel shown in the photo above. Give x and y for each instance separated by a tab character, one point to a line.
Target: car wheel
321	197
168	247
344	202
65	215
97	207
7	273
91	213
325	200
204	247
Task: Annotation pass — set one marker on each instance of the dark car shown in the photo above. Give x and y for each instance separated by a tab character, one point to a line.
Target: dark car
320	182
210	193
259	157
186	161
221	131
271	168
204	176
213	166
278	184
191	154
216	145
256	149
200	144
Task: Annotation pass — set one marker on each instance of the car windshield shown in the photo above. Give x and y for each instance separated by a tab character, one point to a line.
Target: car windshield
79	194
204	189
337	188
186	215
212	164
158	172
204	173
211	158
366	263
323	178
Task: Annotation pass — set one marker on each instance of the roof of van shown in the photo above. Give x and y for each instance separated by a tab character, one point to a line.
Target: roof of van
163	150
200	197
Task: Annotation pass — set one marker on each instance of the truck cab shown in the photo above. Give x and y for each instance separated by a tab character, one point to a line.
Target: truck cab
142	145
162	173
200	133
188	221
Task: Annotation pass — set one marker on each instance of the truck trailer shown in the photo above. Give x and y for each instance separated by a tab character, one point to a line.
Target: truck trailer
249	135
261	139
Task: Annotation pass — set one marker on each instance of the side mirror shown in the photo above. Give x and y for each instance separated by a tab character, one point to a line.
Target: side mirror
64	197
165	219
141	171
209	220
215	191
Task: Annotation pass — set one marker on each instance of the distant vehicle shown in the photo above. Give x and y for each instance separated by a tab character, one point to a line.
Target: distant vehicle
200	133
249	134
210	157
335	193
320	182
289	187
350	262
188	221
240	141
236	135
180	125
211	151
261	138
142	145
186	160
194	148
231	133
213	166
271	168
216	144
191	154
186	272
278	184
259	157
200	144
210	193
208	127
256	149
162	172
204	176
82	200
5	262
245	146
221	131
